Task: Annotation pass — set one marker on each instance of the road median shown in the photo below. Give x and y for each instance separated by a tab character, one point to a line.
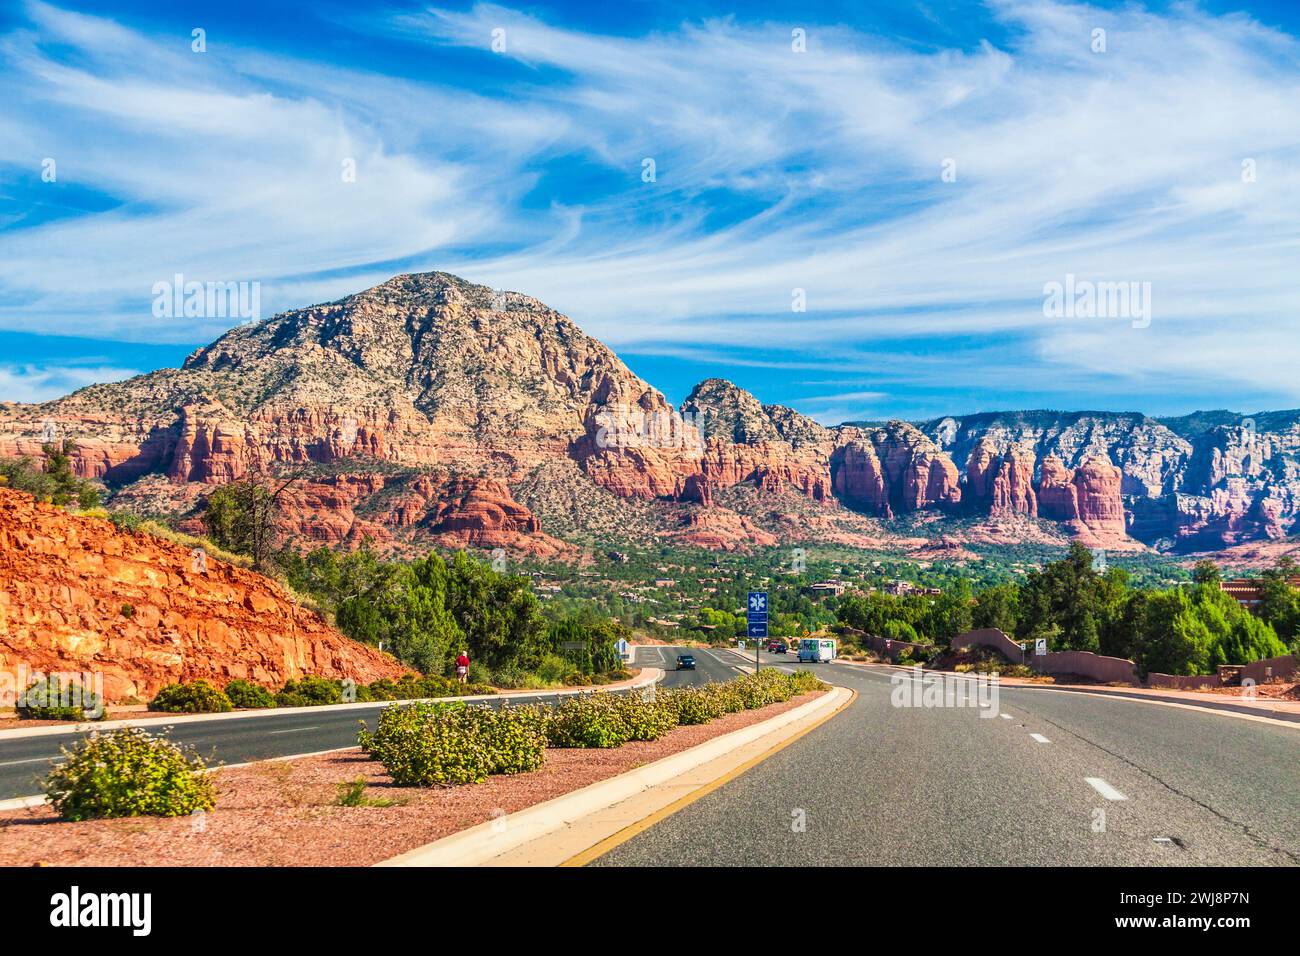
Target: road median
574	828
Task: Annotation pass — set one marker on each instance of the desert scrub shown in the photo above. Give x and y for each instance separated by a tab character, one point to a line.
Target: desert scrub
587	720
428	744
50	700
423	745
246	695
765	687
646	719
128	773
726	697
412	687
196	697
804	682
310	692
694	705
515	736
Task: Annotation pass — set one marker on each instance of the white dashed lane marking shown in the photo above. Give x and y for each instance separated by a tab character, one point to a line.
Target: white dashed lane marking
294	730
1040	738
1105	789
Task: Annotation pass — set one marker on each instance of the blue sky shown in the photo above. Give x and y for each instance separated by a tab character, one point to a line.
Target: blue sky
776	170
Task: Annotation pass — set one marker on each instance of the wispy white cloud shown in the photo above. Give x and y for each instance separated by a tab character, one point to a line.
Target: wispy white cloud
33	383
775	171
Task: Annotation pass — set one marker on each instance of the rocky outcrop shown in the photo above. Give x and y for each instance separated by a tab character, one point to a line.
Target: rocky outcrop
895	469
1001	483
1097	489
429	372
76	594
720	529
1087	499
1058	498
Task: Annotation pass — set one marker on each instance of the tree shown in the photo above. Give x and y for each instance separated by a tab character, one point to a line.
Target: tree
1067	596
1206	571
1279	602
52	482
240	516
998	606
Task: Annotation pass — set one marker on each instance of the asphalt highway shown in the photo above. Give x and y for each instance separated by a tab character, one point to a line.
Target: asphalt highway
284	733
1062	778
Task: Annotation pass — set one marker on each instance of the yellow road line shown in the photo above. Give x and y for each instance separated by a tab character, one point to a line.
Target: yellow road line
628	832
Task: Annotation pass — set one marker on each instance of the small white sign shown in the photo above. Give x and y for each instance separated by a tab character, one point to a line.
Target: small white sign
1040	647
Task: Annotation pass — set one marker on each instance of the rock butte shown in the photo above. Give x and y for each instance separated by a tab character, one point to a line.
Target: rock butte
416	410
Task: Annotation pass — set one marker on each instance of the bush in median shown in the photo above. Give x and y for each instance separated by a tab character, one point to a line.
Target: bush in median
128	773
587	720
693	705
434	743
196	697
646	719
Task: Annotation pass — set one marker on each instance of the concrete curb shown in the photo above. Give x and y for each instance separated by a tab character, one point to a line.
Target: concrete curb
553	832
648	675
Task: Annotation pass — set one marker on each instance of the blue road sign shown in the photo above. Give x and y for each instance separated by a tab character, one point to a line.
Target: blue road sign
758	629
757	609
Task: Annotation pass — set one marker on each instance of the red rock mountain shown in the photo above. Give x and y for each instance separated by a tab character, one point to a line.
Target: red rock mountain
429	410
76	594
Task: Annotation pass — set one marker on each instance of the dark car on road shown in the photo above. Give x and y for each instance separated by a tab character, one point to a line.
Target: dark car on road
776	647
685	662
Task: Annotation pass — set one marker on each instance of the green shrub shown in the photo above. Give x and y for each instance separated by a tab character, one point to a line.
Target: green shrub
128	773
196	697
646	719
50	700
412	687
727	696
515	736
510	676
765	687
553	669
310	692
803	682
694	705
587	720
434	743
423	745
125	520
247	695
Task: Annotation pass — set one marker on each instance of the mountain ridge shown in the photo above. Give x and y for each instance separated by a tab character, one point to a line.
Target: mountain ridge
437	398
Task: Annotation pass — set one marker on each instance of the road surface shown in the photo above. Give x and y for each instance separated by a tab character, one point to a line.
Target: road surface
1063	778
276	734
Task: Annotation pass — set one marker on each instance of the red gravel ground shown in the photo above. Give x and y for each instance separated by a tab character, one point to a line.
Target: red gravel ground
283	812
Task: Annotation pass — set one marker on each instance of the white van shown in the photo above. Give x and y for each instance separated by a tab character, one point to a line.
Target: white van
816	650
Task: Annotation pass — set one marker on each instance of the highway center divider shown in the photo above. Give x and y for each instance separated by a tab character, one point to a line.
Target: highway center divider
648	676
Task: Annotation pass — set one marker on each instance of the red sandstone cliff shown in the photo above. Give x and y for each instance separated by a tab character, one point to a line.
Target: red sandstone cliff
1001	483
76	594
892	470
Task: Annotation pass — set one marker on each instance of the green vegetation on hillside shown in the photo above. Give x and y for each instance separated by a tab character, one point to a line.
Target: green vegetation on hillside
54	483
